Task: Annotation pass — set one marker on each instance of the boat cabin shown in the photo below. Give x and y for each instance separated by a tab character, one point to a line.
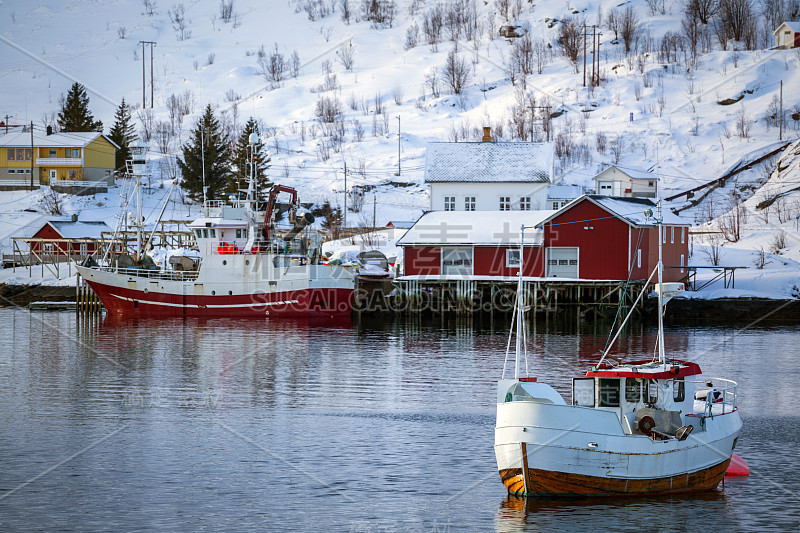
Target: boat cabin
651	398
220	235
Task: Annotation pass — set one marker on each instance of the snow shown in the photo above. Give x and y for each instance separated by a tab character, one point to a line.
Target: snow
679	130
80	229
489	162
71	139
490	228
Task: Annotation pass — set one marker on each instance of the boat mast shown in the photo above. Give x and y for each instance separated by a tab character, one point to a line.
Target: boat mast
661	234
520	307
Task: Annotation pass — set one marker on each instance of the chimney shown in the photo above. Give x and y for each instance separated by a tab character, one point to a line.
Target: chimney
74	217
487	134
49	130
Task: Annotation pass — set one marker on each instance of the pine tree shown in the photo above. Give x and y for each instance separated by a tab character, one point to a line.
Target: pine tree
206	137
74	114
241	155
123	133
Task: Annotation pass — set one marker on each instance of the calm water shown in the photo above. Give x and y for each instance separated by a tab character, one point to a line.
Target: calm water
234	425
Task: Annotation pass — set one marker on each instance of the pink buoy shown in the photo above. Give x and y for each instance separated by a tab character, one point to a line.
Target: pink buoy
737	467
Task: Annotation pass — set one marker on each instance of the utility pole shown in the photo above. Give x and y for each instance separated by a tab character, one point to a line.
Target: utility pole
780	116
584	55
398	145
598	59
144	99
594	44
344	225
374	202
32	149
203	160
144	83
6	123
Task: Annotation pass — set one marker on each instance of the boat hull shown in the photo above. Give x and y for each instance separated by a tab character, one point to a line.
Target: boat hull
300	293
551	483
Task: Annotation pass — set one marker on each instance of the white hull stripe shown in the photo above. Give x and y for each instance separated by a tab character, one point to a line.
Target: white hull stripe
211	306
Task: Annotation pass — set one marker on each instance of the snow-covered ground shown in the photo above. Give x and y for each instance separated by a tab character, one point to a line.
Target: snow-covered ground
651	115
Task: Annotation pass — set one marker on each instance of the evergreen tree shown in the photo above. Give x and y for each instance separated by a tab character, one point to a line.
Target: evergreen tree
123	133
206	137
74	114
241	156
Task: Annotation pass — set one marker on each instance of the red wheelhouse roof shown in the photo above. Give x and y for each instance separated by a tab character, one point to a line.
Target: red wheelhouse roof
646	369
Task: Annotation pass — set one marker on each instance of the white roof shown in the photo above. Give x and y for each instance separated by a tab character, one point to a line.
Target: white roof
81	229
633	173
217	222
630	210
793	25
491	228
489	162
69	139
564	192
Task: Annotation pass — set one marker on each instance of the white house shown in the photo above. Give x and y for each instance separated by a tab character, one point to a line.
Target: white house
489	176
787	35
560	195
625	181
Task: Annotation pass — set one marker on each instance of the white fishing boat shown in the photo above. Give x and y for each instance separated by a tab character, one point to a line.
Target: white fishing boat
634	427
248	266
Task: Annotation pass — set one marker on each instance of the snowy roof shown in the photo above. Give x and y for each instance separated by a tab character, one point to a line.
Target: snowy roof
56	140
564	192
793	25
633	173
493	228
81	229
630	210
489	162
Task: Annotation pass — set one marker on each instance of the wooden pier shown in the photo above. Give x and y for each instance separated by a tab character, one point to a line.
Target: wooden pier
582	297
87	304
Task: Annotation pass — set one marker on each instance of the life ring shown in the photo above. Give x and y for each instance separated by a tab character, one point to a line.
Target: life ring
646	425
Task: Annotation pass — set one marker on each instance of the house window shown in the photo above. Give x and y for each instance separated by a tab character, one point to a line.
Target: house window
48	247
76	152
73	174
525	203
664	234
555	205
682	236
449	203
512	258
83	248
469	203
638	258
672	234
12	171
682	258
505	203
28	154
20	154
651	184
52	153
10	154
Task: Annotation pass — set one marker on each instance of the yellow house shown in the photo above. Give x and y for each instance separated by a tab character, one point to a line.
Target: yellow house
78	162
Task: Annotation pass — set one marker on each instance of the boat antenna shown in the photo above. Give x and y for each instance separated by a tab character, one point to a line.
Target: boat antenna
518	317
661	235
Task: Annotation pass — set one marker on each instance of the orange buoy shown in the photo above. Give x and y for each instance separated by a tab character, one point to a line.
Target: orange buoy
737	467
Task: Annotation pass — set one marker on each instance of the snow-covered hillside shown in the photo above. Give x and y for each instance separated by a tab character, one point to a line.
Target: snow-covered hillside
655	108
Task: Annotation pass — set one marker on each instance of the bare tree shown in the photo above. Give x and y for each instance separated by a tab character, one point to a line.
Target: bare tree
177	15
345	55
630	29
432	24
226	10
701	9
570	39
456	71
736	17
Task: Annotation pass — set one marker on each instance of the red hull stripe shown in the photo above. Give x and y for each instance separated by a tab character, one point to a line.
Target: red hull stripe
316	302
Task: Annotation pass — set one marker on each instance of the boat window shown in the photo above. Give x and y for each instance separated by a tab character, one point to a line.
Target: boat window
213	233
199	233
583	392
652	391
238	233
633	390
205	233
609	392
678	390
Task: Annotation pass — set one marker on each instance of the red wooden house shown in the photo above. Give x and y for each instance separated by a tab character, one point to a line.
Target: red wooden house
68	238
591	238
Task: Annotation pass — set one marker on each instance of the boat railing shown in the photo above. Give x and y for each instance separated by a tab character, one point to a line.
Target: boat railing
213	208
259	247
721	392
170	275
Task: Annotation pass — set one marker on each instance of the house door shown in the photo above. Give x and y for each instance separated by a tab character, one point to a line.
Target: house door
457	261
562	263
52	176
